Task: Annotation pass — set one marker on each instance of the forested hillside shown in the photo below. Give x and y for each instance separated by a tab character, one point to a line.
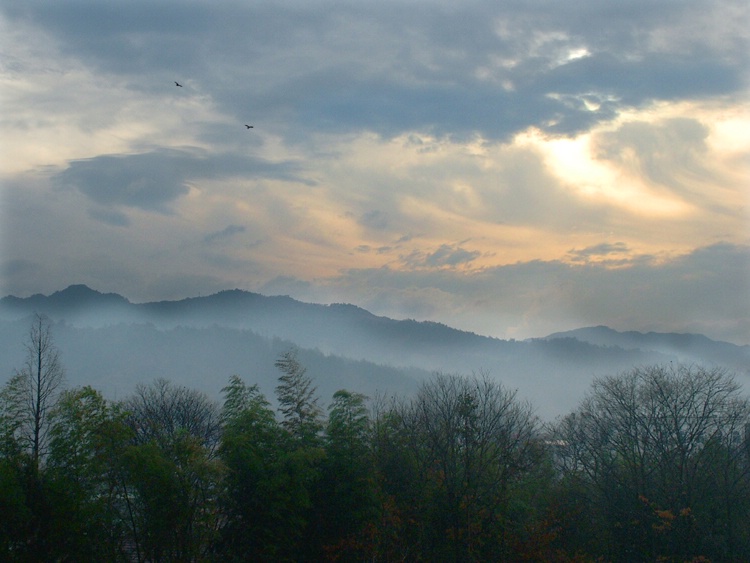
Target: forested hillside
113	344
651	465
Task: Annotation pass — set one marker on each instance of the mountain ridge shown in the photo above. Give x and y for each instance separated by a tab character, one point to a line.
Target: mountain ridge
77	297
553	372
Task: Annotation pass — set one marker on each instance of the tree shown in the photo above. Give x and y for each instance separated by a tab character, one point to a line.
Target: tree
60	511
16	516
347	501
662	454
161	412
27	512
297	401
472	442
87	438
397	534
266	498
28	397
172	472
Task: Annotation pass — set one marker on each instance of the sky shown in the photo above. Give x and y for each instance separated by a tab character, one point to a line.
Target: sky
512	168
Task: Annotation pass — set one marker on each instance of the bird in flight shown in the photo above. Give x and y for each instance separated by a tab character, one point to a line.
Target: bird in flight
248	126
178	84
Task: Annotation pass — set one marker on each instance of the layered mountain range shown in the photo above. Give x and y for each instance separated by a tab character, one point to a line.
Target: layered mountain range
112	344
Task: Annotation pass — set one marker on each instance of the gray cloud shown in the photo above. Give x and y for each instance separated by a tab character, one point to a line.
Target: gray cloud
487	67
374	219
446	255
598	250
147	181
154	180
228	232
110	216
18	267
451	255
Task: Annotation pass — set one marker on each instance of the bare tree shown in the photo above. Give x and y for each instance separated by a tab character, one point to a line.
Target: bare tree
30	395
162	412
472	440
173	471
662	452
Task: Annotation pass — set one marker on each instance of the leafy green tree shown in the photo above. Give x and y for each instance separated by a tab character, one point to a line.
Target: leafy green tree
16	516
172	474
298	404
347	495
266	500
399	529
302	421
86	440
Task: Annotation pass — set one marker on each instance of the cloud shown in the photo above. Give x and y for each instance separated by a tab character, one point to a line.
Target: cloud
110	216
484	67
446	256
509	167
227	232
703	291
154	180
670	153
148	181
19	267
374	219
600	251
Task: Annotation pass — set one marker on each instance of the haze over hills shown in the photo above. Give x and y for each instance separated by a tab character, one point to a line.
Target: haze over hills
112	344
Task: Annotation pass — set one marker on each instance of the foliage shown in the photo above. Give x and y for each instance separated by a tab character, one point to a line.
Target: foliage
297	401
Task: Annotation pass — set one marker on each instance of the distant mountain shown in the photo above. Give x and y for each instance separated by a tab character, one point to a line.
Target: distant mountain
687	347
75	298
111	343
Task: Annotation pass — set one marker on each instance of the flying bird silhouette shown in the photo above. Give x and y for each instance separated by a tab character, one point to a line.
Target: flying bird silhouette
248	126
178	84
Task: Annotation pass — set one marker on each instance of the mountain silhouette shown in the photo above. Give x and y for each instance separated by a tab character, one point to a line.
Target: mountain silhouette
687	346
111	343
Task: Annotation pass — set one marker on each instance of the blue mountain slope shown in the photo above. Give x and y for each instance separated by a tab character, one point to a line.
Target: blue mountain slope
687	347
201	341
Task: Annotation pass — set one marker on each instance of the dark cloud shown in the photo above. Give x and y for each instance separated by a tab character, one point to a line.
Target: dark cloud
451	255
445	256
487	67
110	216
148	181
405	238
18	267
598	250
225	233
154	180
374	219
